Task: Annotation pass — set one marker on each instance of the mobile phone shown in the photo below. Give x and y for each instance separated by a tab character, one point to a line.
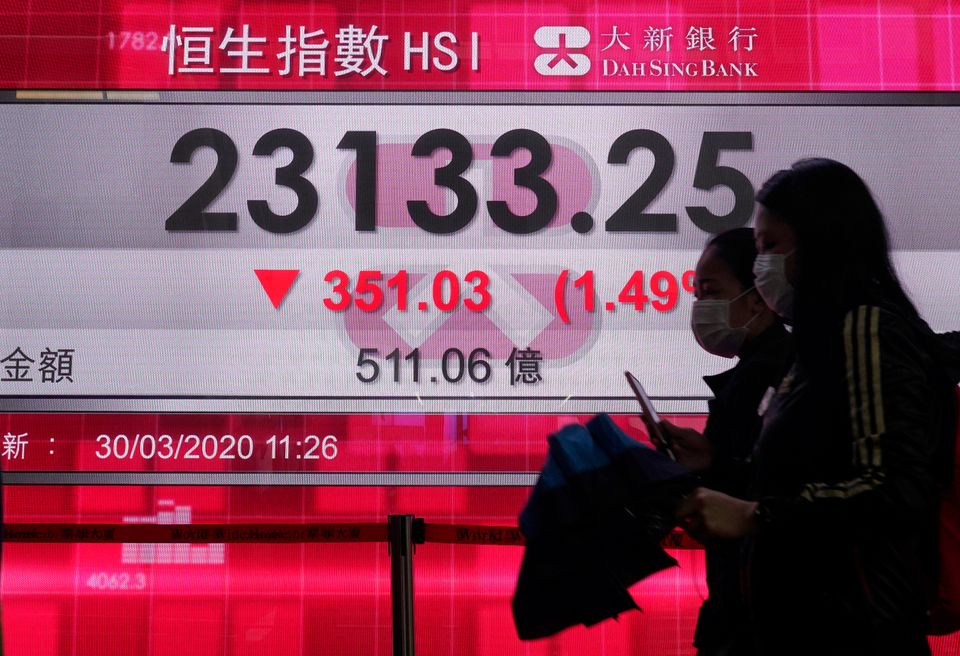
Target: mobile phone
647	406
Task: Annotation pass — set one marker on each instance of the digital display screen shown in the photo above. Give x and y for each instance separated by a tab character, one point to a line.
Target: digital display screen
321	263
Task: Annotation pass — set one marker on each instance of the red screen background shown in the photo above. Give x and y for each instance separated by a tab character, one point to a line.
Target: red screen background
334	598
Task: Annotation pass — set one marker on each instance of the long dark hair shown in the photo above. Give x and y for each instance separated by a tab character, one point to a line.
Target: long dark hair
842	251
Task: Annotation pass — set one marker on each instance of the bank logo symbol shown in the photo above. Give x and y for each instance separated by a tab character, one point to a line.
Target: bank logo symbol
558	42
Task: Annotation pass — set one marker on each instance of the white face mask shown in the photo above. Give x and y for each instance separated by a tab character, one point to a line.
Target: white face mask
710	321
772	284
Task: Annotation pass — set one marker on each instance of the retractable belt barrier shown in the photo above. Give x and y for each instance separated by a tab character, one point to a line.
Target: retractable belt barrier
162	533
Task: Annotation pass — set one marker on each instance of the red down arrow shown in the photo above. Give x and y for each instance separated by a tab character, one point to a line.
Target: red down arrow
277	283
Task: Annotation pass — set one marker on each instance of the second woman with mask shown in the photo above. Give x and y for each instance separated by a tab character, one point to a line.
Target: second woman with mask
731	320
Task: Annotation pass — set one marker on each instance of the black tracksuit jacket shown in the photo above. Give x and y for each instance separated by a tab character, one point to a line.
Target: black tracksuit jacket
848	469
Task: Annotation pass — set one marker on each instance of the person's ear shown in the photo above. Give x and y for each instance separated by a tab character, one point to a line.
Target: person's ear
755	303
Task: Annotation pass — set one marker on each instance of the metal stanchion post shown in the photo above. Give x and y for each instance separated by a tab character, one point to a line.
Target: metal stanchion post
400	534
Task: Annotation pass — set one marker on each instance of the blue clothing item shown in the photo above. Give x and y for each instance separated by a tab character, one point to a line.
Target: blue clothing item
593	523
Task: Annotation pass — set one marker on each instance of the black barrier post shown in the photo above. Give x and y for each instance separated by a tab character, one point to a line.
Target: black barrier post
400	529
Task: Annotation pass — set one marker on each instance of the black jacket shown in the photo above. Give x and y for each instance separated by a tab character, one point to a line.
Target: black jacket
949	354
847	469
733	426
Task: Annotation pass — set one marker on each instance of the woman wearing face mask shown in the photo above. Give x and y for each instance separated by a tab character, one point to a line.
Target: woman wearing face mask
729	319
855	440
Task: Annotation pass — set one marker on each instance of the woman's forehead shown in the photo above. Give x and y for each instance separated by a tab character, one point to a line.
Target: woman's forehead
712	268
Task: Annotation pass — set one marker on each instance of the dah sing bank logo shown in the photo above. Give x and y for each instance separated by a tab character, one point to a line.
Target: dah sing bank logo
563	52
560	45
